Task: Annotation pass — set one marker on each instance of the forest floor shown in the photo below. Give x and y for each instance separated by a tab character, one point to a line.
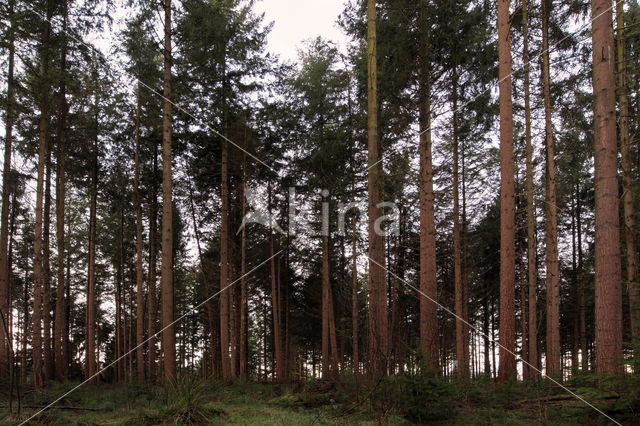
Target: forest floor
318	403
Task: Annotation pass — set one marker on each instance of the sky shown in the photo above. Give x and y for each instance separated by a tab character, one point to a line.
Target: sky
295	21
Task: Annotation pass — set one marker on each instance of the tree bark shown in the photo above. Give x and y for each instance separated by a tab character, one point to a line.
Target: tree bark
224	266
462	338
608	288
355	338
378	321
279	372
428	284
507	368
46	270
152	301
38	276
244	302
329	343
140	367
91	365
59	337
581	295
633	288
168	332
532	264
553	355
5	290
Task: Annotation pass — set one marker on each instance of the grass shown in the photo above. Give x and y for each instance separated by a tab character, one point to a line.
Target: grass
395	401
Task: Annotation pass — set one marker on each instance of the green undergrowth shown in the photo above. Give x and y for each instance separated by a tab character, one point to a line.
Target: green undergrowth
406	399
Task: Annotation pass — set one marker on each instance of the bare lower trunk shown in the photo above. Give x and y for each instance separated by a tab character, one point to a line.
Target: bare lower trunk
582	326
6	190
378	322
532	265
168	332
224	267
243	282
139	270
633	288
46	270
152	301
329	344
428	283
59	337
553	355
354	299
91	366
275	307
608	288
462	340
507	369
38	274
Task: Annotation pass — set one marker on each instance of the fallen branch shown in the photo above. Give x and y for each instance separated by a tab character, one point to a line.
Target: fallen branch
62	407
559	398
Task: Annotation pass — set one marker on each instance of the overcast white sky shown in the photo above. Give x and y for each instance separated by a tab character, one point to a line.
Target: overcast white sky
299	20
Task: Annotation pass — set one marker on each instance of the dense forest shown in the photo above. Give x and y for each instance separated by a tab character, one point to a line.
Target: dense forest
446	206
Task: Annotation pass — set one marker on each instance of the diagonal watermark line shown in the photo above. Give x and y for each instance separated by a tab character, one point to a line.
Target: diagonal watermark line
477	330
188	313
535	58
154	91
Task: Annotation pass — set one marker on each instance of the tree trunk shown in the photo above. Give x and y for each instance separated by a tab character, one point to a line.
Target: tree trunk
326	358
119	340
507	369
275	306
355	338
91	366
532	264
59	337
5	290
168	332
575	318
608	288
139	271
553	355
244	307
428	283
38	278
581	296
46	270
462	339
627	179
224	266
329	343
152	301
378	321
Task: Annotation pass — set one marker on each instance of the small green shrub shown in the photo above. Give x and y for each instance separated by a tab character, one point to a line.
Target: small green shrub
187	402
424	398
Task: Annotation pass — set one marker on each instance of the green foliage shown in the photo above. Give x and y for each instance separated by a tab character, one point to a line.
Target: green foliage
187	401
420	398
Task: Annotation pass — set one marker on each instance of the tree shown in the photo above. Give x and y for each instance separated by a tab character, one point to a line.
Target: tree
608	290
60	338
553	355
91	362
168	333
627	179
6	191
532	265
507	368
139	269
378	328
38	272
224	266
428	282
